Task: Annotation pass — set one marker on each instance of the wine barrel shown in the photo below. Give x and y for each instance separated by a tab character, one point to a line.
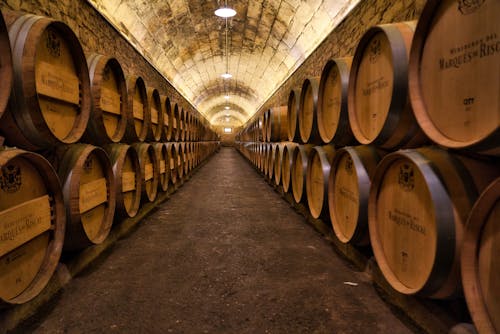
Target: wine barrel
167	119
418	204
181	127
172	153
277	127
278	161
127	174
176	132
179	164
378	105
156	111
185	159
89	192
139	112
333	119
286	165
308	118
32	223
271	156
149	170
163	170
480	264
299	171
453	77
108	118
348	189
50	101
6	70
292	115
318	170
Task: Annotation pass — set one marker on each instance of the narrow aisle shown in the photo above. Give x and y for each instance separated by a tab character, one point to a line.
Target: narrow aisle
226	254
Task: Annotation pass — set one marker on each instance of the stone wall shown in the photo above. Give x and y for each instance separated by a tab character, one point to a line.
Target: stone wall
98	36
343	40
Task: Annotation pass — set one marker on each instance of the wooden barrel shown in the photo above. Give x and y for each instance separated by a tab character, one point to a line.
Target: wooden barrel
127	174
308	118
299	171
149	170
454	81
32	223
172	153
333	119
108	119
89	192
179	164
181	124
6	71
318	170
176	133
348	189
418	204
271	156
277	127
139	112
480	263
167	119
286	165
156	111
163	170
50	101
278	161
185	159
378	105
292	115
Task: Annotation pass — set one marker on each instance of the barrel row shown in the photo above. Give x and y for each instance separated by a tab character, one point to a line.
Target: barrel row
71	198
425	211
404	87
52	93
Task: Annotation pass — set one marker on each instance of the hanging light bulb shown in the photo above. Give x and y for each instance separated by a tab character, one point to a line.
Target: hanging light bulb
226	75
225	11
226	107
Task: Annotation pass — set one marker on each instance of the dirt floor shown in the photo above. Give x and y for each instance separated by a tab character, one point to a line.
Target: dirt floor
226	254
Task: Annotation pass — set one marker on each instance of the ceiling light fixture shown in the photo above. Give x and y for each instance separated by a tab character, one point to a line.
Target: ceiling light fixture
225	11
226	75
227	107
226	97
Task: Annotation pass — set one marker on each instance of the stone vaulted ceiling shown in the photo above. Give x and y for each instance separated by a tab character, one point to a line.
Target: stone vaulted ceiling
185	41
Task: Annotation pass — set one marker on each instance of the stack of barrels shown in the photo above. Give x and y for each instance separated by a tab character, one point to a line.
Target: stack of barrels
84	145
398	147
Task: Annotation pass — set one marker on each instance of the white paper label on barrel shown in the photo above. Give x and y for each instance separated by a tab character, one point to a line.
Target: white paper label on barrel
57	83
148	172
23	222
154	116
128	181
162	167
92	194
138	110
110	101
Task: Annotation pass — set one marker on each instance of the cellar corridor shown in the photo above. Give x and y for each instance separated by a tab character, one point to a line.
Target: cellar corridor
226	254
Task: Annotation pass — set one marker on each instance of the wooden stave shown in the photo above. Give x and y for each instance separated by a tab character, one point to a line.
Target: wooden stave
278	160
488	145
6	66
270	160
287	165
96	133
172	154
326	154
343	134
365	160
277	124
155	99
164	178
473	291
23	123
175	123
142	150
117	154
293	106
180	161
435	165
310	136
400	129
55	246
131	136
302	152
